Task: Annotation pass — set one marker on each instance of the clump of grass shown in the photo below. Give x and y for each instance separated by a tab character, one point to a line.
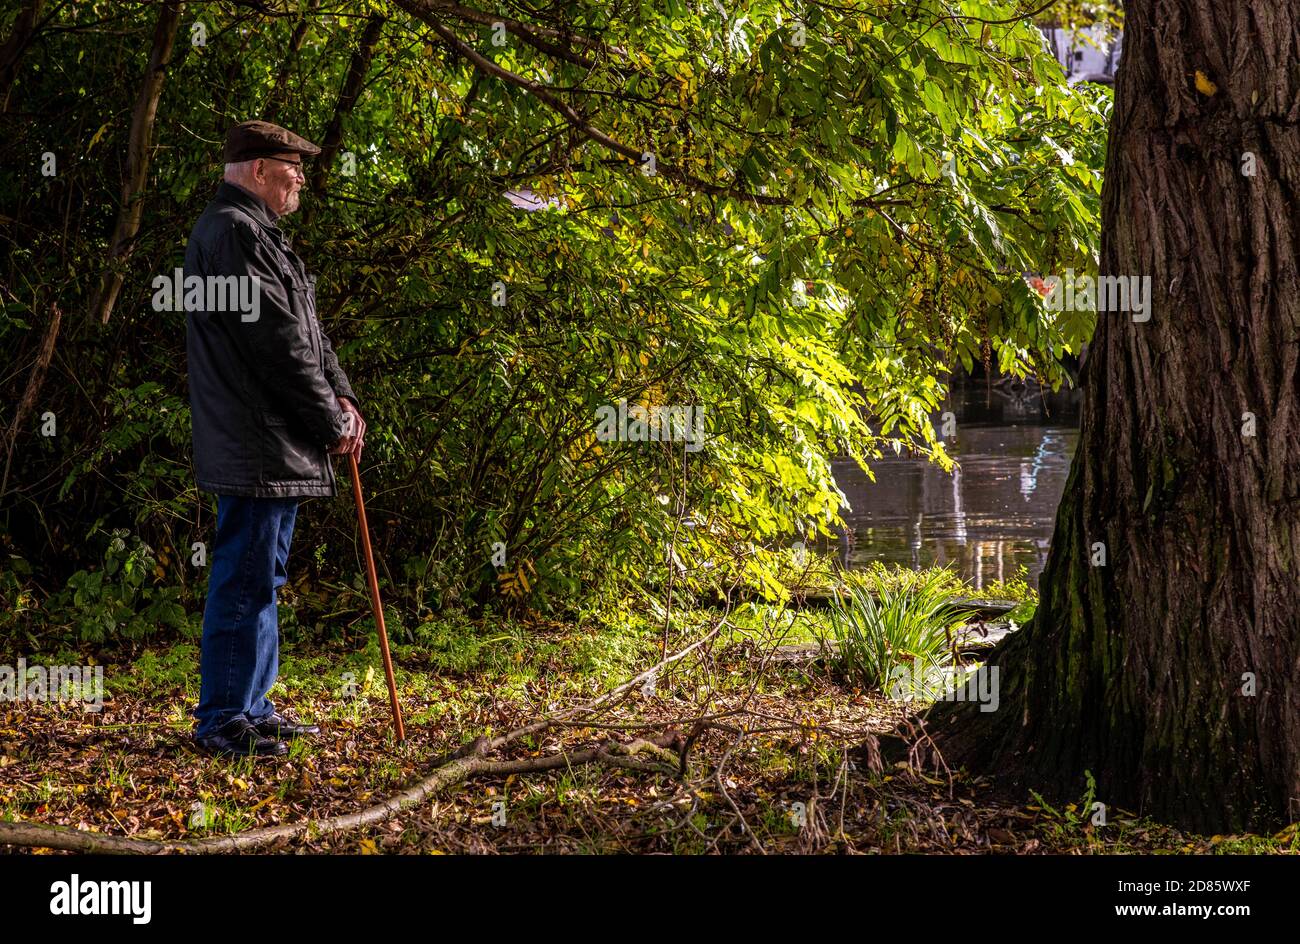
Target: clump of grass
885	630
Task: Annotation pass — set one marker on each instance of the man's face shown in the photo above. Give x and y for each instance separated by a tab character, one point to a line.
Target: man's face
279	180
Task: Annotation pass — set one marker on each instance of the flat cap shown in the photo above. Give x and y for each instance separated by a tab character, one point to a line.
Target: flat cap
250	139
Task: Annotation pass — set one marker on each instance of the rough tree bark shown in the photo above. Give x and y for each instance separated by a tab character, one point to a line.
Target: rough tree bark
1140	670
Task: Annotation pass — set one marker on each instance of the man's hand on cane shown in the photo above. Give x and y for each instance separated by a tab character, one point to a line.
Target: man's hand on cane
355	438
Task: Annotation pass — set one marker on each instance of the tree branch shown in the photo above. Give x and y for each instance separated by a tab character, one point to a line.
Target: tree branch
137	164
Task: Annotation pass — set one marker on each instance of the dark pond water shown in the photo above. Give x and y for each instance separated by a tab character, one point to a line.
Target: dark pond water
987	519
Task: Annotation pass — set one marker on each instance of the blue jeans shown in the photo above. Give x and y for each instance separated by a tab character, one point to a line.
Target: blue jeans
240	653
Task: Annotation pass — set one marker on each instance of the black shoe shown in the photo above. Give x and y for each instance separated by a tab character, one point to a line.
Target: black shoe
276	725
238	738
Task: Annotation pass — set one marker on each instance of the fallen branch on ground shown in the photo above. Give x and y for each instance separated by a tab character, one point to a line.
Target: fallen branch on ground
471	760
455	770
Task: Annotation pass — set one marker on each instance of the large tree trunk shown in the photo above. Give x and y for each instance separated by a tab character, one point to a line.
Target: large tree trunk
1141	670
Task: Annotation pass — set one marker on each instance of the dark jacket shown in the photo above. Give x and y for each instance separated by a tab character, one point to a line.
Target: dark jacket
262	390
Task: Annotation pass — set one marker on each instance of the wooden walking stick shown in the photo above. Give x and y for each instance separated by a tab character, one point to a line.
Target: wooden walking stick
398	727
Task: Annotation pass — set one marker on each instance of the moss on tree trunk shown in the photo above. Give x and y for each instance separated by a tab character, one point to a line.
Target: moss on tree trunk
1140	671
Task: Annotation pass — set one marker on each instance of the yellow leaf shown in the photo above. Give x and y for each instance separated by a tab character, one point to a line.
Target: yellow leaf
1204	85
98	134
368	847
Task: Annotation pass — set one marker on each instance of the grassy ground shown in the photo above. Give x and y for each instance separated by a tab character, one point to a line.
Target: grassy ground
779	773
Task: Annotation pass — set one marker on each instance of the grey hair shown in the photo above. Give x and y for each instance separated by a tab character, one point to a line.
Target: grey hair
241	170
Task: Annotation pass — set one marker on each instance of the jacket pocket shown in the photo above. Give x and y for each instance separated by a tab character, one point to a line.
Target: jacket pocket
285	455
304	302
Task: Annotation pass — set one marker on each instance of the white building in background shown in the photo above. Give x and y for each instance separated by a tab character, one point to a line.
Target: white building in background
1090	55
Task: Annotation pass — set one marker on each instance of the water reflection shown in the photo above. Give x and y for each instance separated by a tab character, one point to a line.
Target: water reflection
992	515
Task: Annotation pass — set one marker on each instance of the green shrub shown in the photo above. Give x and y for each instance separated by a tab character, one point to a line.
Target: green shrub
121	601
881	577
1017	588
885	629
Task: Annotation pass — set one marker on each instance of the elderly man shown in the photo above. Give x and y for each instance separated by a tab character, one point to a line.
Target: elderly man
269	403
